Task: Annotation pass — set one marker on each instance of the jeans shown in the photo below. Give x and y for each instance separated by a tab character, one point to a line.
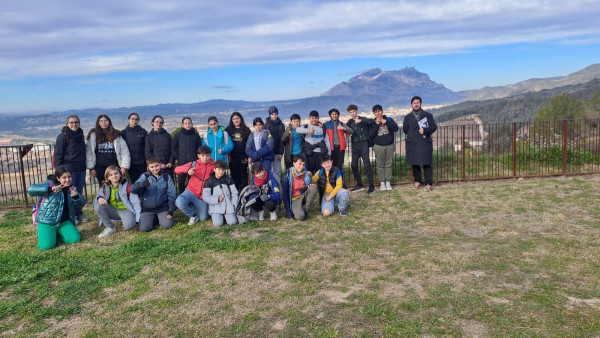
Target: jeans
147	220
78	182
342	198
191	205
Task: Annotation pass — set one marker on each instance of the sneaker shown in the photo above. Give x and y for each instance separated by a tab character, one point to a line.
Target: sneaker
261	215
371	189
416	186
106	232
388	186
273	215
428	187
358	187
343	212
382	187
83	219
193	220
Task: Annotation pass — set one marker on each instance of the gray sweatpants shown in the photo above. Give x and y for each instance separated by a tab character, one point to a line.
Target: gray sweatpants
385	157
219	219
106	213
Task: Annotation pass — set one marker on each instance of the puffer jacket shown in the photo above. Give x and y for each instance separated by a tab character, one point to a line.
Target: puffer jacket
70	149
136	143
121	150
202	173
184	147
157	194
265	152
276	128
219	141
215	187
287	184
158	143
131	202
51	210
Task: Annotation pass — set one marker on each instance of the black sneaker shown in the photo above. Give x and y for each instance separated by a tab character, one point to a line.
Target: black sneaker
358	188
371	189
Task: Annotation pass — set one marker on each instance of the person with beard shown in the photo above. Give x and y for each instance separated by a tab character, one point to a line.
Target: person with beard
183	148
274	125
70	151
135	137
418	126
158	143
105	147
238	164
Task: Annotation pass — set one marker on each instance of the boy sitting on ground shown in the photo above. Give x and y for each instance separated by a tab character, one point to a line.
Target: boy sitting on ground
298	190
330	182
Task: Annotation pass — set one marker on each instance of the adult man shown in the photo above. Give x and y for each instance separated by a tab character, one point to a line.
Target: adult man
274	125
360	147
418	127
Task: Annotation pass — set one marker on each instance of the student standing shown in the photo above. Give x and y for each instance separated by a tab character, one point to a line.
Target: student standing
337	133
135	137
360	147
274	125
292	141
105	147
418	126
238	164
260	145
382	133
184	148
218	140
315	144
158	143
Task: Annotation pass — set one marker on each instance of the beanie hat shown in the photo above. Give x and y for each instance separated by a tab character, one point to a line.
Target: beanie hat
377	107
273	109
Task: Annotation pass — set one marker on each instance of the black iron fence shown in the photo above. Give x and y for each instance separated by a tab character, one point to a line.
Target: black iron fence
467	151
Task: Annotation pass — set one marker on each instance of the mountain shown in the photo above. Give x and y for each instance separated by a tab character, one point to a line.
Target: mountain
535	85
394	86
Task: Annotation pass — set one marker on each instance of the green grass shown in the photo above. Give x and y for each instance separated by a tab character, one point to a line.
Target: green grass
497	258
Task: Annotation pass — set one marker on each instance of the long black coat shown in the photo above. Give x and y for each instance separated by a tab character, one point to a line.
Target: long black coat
419	148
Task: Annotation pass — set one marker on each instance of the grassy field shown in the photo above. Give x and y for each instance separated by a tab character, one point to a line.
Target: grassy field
494	258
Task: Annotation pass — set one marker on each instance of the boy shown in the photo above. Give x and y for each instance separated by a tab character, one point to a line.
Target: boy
292	141
157	193
269	196
260	145
337	133
190	201
298	190
330	182
314	142
221	195
274	125
360	147
382	134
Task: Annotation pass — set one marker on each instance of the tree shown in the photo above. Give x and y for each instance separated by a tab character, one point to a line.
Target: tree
562	107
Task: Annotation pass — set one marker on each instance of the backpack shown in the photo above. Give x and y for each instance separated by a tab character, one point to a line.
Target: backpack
38	204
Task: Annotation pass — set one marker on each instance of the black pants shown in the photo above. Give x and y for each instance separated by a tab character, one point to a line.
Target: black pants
361	150
135	171
337	157
427	170
313	162
181	182
268	204
239	173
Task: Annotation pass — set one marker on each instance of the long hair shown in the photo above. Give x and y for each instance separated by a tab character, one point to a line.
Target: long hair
108	135
231	127
107	173
59	171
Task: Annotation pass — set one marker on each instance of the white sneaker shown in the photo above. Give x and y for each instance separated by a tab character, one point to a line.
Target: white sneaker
382	187
261	215
106	232
273	215
388	186
193	220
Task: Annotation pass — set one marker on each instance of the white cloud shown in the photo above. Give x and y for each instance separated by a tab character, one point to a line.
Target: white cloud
41	38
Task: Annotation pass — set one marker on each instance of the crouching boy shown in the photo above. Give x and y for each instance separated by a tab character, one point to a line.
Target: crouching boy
221	195
330	182
298	190
157	194
269	195
190	202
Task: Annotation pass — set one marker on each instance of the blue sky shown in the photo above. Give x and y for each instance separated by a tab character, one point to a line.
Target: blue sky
81	54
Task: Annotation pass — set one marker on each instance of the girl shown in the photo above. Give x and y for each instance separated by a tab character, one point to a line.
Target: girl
218	140
221	195
114	201
158	143
105	147
70	151
56	215
135	137
238	165
184	148
260	145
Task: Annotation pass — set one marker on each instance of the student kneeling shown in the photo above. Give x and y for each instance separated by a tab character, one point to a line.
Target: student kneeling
269	196
221	195
330	182
298	190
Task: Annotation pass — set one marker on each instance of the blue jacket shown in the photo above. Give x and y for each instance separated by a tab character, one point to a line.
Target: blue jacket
156	194
51	210
265	152
287	190
270	188
131	202
222	141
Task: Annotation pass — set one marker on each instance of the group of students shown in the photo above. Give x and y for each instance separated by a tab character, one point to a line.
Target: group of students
313	155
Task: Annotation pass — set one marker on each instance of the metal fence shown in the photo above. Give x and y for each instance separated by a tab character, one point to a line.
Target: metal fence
466	151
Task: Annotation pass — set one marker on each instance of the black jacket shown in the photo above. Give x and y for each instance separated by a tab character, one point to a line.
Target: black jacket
136	143
70	149
276	128
185	145
385	136
159	144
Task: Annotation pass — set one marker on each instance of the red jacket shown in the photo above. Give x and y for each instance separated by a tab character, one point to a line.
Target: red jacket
202	172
